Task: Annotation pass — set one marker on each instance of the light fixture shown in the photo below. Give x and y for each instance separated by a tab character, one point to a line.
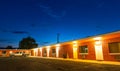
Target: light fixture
57	45
41	49
98	42
97	38
10	52
74	43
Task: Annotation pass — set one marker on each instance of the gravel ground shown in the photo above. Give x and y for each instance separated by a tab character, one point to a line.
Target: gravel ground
41	64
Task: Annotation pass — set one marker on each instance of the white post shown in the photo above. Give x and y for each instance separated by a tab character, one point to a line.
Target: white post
75	53
57	50
41	51
48	51
98	48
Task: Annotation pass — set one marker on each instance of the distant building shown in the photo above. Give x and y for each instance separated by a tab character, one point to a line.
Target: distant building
7	52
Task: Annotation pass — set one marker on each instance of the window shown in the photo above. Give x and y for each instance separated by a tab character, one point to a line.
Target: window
16	52
3	52
114	47
83	49
53	51
45	51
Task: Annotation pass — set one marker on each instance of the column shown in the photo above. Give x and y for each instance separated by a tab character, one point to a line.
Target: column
48	51
75	50
57	50
98	48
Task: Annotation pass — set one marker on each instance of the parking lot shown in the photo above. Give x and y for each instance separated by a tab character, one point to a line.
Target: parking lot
43	64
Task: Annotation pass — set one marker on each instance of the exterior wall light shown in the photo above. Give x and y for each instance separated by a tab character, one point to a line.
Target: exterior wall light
97	38
10	52
74	43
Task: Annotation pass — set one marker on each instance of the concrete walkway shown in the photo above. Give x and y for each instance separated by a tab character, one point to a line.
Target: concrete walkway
80	60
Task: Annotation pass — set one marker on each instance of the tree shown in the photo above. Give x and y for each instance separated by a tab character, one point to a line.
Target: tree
27	43
9	47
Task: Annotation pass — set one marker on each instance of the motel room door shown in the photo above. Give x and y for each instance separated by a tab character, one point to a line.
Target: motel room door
75	53
98	52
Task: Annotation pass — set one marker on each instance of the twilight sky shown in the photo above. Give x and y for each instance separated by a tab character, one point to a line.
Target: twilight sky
43	19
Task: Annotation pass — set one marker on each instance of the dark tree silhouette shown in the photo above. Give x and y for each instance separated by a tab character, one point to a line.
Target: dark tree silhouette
9	47
27	43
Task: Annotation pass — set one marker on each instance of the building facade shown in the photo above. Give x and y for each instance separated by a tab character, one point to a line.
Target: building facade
7	52
102	47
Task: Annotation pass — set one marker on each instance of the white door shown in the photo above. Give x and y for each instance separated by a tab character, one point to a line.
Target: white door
75	53
99	52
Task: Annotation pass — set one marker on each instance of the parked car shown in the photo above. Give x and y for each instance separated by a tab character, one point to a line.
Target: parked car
16	54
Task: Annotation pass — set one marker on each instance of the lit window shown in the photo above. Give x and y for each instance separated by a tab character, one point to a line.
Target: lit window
83	49
114	47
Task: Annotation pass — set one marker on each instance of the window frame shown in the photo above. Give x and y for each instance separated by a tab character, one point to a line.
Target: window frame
113	53
45	51
83	53
54	51
4	52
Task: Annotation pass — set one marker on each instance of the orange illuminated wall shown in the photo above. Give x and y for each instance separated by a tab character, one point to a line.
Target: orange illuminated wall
91	51
52	54
106	54
43	52
66	48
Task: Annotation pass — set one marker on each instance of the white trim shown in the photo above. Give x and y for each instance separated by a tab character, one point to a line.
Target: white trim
99	52
83	53
114	53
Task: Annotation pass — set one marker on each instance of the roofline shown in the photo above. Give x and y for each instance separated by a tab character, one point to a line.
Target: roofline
100	35
14	49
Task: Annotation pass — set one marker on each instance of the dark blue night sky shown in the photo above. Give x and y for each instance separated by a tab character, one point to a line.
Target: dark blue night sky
43	19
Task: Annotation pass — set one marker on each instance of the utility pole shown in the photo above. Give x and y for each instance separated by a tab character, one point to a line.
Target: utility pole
58	35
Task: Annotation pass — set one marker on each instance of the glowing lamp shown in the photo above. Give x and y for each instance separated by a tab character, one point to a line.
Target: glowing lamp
11	52
48	48
40	49
97	38
98	42
57	45
74	48
74	43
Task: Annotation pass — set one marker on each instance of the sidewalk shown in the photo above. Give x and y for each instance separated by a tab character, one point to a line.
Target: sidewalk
80	60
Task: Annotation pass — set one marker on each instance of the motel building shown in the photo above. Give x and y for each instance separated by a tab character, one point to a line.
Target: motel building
102	47
105	47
